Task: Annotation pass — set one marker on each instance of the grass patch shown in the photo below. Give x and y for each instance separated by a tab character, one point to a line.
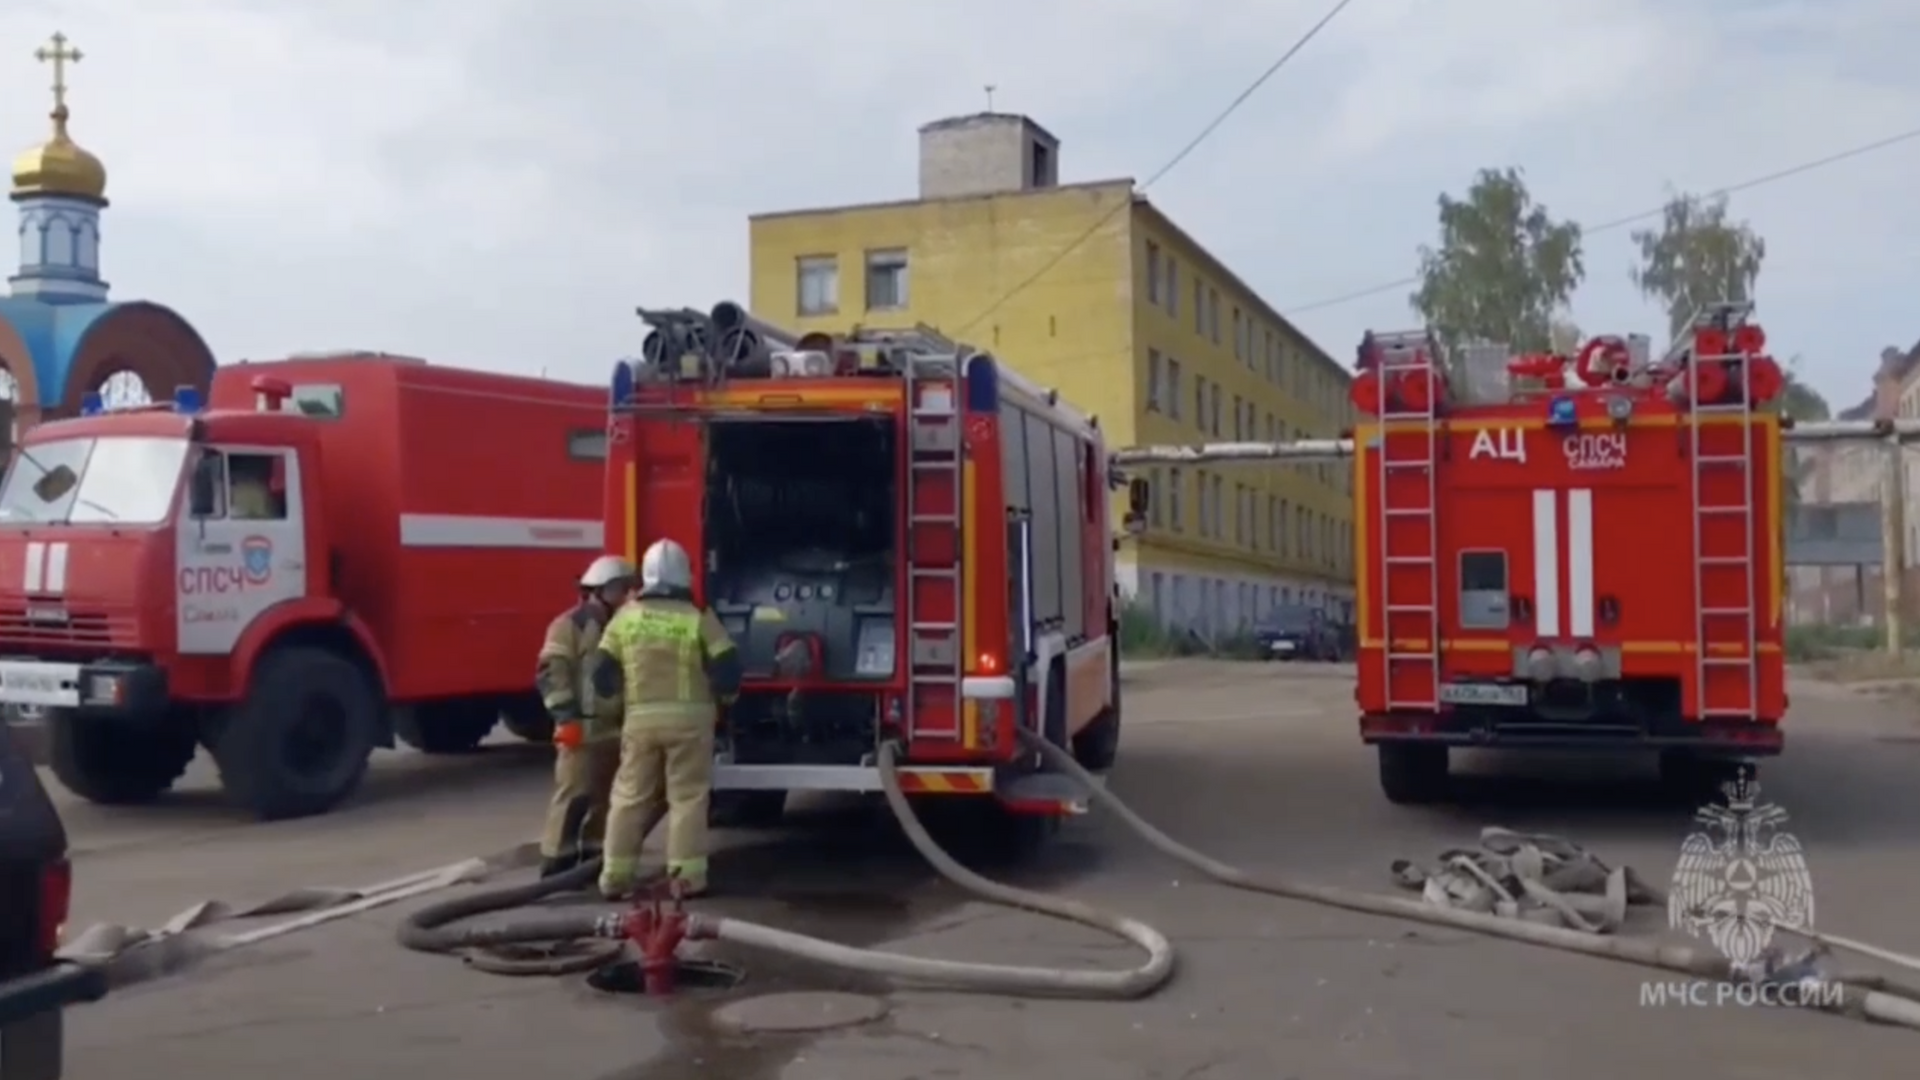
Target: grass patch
1142	637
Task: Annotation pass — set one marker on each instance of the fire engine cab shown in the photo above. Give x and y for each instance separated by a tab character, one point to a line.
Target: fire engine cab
906	540
1570	552
331	554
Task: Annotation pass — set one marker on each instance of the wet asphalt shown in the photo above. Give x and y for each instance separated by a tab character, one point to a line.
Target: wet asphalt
1258	764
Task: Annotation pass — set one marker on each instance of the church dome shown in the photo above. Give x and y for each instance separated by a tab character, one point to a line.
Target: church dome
59	166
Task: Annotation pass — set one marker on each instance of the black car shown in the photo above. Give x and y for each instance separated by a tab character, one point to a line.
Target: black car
1296	633
36	886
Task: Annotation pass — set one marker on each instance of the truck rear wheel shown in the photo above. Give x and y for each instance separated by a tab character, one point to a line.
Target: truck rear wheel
448	728
1413	773
1097	745
746	809
532	725
299	744
116	764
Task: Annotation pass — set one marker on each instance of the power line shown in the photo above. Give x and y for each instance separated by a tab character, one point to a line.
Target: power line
1633	219
1192	145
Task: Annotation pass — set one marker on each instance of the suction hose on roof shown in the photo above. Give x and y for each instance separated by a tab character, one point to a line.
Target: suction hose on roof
432	928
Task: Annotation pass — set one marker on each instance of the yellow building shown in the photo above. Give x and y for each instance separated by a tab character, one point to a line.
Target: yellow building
1090	289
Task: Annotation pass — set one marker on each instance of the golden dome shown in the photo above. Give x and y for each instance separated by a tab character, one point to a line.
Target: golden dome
59	166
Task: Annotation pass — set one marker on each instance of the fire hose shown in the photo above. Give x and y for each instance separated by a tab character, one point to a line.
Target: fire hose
433	929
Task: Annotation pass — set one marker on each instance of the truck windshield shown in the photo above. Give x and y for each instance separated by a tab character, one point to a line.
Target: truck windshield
123	480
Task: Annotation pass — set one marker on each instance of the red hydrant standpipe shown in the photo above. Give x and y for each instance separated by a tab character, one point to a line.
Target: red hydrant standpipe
656	928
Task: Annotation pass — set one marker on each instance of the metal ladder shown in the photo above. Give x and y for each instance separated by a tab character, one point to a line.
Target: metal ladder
1715	622
1398	353
930	545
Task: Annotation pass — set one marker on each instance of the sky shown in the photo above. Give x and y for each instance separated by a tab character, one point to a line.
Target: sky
498	183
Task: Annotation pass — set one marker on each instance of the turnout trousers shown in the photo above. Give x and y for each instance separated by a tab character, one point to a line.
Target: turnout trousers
583	772
666	770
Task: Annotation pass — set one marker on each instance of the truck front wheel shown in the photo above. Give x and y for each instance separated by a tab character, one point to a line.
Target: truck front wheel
116	764
1413	773
299	744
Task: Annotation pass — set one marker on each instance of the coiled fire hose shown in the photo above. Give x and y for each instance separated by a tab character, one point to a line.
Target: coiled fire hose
432	929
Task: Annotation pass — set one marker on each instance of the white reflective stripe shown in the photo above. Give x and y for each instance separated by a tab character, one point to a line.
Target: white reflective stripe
1580	562
1546	562
57	567
987	687
35	567
468	531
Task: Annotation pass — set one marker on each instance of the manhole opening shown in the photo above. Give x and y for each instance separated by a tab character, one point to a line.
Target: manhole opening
626	977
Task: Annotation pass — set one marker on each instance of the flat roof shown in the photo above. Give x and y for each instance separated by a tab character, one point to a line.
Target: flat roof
1125	183
992	117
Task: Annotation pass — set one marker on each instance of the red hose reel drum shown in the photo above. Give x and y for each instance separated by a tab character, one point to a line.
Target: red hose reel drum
1603	360
1417	390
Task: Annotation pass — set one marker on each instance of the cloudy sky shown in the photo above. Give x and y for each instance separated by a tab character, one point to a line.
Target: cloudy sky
499	182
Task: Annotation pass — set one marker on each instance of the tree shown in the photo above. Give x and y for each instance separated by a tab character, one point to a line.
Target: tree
1504	268
1800	402
1697	257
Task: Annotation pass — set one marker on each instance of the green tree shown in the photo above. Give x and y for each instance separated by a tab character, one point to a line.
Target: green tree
1698	256
1801	402
1503	269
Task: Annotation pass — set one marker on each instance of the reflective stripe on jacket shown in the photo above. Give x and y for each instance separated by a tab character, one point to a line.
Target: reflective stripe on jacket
664	647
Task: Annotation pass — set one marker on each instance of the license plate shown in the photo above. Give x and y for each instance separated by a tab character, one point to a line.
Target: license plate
1483	694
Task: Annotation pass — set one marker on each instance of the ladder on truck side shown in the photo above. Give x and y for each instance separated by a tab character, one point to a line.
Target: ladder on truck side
931	541
1401	452
1727	623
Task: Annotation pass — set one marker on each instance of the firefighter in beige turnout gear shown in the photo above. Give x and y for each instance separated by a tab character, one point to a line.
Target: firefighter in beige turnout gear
675	666
586	725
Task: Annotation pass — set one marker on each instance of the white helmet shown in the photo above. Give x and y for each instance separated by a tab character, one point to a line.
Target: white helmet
606	570
666	566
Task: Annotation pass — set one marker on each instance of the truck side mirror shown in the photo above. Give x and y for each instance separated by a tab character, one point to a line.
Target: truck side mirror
55	483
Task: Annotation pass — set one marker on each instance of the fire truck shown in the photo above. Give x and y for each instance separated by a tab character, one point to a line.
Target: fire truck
907	541
1588	555
327	555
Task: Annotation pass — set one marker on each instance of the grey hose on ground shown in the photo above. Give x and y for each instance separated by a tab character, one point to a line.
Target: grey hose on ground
1009	979
433	929
1857	999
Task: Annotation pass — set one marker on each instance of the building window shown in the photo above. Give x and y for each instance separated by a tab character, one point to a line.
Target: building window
1206	504
1172	288
1154	294
1213	409
887	280
1156	377
1156	501
1200	402
1173	388
1239	334
1239	433
1176	517
1273	523
1213	315
1219	507
1271	359
817	279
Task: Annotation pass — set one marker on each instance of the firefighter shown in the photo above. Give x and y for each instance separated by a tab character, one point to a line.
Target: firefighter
675	665
586	726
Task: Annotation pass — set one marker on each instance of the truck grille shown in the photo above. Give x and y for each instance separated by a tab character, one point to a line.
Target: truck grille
35	624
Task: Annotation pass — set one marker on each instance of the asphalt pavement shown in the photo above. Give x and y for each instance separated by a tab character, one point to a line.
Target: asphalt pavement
1258	764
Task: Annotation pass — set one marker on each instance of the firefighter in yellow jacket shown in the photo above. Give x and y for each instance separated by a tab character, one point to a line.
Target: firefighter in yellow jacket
586	725
675	665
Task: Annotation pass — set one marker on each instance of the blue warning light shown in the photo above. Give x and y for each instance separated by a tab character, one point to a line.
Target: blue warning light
1560	412
186	399
91	404
621	392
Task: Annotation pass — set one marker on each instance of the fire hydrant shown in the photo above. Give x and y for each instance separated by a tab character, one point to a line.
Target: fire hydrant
656	926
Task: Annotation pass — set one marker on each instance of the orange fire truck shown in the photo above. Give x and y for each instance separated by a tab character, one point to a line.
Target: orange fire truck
338	552
907	540
1588	556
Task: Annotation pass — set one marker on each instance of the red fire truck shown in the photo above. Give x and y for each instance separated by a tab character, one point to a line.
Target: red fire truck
1589	557
907	540
338	552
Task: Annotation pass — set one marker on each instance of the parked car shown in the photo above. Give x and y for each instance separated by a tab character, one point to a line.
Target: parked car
36	888
1296	633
